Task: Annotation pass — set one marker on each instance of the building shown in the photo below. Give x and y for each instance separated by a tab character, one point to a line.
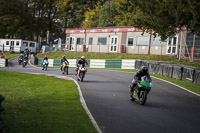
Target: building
130	40
17	45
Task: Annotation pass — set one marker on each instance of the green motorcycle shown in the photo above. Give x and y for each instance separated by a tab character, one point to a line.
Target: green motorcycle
141	90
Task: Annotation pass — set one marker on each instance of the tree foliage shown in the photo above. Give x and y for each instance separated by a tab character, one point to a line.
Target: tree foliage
105	15
29	19
164	17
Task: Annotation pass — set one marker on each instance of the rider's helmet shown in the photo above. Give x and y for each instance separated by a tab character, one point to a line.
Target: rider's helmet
45	56
82	57
144	69
63	57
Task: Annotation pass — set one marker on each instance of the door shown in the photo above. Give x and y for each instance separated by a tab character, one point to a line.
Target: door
71	43
172	45
114	44
12	45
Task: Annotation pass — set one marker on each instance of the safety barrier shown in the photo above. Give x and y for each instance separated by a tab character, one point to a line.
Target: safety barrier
128	64
175	71
96	63
113	63
3	62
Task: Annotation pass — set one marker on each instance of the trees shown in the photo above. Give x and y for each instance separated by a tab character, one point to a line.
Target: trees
29	19
165	17
102	15
14	19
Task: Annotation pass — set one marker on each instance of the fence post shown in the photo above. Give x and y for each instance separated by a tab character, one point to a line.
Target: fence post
180	49
193	49
149	48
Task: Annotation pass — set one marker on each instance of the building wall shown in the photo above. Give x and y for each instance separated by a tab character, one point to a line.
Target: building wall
122	40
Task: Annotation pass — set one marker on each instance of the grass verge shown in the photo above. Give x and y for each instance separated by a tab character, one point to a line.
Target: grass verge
10	55
187	85
38	103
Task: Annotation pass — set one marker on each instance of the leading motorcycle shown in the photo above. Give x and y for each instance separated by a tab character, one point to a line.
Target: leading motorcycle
141	90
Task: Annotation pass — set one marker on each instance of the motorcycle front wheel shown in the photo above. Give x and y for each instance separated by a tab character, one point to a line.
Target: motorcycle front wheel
82	74
45	67
143	97
131	95
66	70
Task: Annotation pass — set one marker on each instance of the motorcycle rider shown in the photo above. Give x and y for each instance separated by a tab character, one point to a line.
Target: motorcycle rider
82	62
21	57
45	59
63	60
26	52
137	78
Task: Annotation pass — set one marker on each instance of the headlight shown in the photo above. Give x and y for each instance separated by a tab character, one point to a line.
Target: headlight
150	84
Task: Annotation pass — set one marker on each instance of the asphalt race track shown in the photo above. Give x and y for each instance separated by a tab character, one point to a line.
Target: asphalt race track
168	109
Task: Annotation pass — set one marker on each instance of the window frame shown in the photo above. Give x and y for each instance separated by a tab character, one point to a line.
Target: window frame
81	42
99	43
90	40
7	43
17	43
128	41
137	44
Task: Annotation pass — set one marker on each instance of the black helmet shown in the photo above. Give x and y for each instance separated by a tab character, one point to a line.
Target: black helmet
63	57
144	69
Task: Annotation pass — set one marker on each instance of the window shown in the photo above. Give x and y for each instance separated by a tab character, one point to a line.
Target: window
32	44
90	41
172	45
142	41
80	41
7	42
130	41
156	41
17	43
102	41
25	44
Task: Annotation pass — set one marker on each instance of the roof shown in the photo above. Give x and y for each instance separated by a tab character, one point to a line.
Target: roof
103	30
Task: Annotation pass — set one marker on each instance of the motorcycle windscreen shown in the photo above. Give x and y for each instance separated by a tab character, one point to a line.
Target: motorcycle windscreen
146	81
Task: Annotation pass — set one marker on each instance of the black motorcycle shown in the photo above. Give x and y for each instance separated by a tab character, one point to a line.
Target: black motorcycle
25	62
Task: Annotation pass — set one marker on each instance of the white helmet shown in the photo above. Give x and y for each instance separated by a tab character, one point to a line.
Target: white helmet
83	57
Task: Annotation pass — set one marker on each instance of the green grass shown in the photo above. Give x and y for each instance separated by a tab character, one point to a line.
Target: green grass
38	103
10	55
77	55
187	85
